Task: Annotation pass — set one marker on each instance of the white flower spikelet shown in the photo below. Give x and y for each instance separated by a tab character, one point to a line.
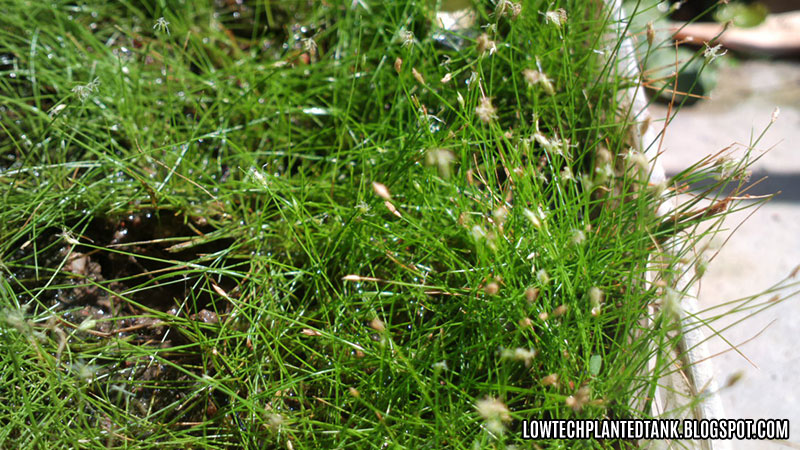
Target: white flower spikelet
557	17
442	159
712	53
161	25
259	177
363	207
478	232
405	37
638	159
578	237
535	217
494	412
535	77
596	300
651	33
381	191
507	8
542	276
56	110
730	168
671	304
566	174
485	44
554	145
84	91
775	114
523	355
485	111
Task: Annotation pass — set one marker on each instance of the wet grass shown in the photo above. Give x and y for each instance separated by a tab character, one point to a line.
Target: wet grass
313	225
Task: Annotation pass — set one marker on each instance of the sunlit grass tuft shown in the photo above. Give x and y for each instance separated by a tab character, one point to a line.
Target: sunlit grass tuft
284	225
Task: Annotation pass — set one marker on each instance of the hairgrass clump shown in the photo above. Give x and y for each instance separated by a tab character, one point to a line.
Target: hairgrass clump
317	224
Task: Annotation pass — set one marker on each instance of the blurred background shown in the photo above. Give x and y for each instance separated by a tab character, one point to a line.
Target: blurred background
760	71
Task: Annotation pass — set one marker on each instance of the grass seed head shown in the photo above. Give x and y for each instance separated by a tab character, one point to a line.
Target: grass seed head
506	8
88	323
775	113
69	238
645	124
478	232
712	53
440	366
310	46
535	217
442	159
557	17
596	300
535	77
417	75
377	325
16	318
398	65
520	354
500	215
161	25
486	45
566	174
734	378
701	266
363	207
56	110
651	33
604	156
550	380
658	188
491	408
531	294
381	191
392	209
542	276
730	168
485	111
603	173
86	372
275	422
406	38
671	303
84	91
579	400
638	160
578	237
553	146
492	288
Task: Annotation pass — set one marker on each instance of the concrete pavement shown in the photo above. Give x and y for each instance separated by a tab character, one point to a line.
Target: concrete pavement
766	248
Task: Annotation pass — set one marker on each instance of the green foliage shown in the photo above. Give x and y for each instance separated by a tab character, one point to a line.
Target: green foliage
251	224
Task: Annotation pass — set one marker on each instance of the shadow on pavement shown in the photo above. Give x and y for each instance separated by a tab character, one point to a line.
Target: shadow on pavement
785	185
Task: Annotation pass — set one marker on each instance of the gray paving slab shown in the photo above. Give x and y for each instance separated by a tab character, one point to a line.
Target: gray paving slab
766	247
